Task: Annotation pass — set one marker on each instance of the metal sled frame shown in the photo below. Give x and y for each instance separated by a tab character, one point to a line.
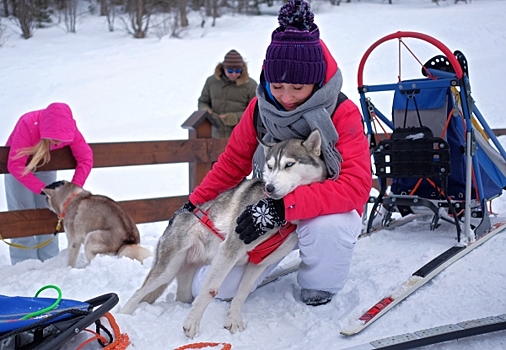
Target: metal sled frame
440	79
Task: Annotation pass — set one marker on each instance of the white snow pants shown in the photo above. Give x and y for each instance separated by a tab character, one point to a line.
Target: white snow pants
326	246
19	197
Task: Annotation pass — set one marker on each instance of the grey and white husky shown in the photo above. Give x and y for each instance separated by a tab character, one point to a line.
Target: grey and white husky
187	244
98	222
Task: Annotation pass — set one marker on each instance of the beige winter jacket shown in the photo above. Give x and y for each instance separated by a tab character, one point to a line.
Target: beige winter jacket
222	96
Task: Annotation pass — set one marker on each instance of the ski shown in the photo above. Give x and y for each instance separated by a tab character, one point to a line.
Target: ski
396	222
418	279
437	334
281	271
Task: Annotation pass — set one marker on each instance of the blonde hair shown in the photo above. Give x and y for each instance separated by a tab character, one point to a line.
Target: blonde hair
40	155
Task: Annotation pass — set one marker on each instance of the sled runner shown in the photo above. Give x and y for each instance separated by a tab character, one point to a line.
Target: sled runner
439	158
437	334
47	323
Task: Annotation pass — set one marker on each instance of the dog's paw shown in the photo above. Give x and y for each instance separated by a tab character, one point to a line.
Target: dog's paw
234	324
190	328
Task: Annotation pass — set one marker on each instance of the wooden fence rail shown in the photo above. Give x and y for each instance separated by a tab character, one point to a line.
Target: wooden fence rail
200	151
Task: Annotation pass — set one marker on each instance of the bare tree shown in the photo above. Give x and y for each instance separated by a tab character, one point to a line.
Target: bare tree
3	36
139	13
172	16
6	8
213	10
110	9
104	6
70	13
242	6
183	14
25	17
42	12
207	5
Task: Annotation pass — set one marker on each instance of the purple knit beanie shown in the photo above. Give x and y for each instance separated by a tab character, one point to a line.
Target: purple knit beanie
295	55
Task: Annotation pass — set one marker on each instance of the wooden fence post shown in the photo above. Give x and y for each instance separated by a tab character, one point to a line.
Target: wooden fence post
199	126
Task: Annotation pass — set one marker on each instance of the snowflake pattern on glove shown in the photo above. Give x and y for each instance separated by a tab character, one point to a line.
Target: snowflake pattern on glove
259	218
262	214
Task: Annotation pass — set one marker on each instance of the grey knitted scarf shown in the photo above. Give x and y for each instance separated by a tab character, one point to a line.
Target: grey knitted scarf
313	114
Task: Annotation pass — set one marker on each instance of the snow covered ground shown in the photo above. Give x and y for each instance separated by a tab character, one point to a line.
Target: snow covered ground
125	89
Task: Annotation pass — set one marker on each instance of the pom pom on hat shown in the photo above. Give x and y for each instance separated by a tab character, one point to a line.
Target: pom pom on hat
296	14
233	60
295	55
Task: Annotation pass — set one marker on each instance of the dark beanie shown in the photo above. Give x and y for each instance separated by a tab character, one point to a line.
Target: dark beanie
295	55
233	60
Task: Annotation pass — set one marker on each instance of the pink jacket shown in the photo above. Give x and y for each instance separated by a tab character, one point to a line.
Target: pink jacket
55	122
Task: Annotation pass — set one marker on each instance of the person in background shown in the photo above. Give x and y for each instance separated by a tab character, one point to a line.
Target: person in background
36	134
299	92
226	93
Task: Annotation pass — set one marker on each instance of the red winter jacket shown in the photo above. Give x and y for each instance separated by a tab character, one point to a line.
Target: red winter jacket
350	191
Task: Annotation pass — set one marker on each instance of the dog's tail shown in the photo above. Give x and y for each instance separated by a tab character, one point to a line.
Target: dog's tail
134	251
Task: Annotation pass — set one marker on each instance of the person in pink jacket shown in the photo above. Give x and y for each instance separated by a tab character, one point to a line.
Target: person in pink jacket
36	134
299	91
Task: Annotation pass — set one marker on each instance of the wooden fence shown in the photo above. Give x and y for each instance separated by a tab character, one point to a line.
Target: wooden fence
200	151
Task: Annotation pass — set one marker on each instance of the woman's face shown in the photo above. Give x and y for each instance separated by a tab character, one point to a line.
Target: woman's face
290	96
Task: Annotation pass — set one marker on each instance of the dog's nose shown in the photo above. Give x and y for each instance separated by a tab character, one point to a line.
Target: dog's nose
269	188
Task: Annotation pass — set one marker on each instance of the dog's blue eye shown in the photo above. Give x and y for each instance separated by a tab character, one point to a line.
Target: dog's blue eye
269	167
288	165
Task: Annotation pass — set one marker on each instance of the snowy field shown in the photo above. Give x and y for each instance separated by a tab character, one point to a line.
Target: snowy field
125	89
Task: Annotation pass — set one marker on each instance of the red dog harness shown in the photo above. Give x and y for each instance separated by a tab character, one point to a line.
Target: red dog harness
261	251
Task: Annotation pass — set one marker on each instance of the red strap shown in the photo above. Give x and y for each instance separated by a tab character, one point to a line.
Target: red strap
264	249
204	218
66	204
261	251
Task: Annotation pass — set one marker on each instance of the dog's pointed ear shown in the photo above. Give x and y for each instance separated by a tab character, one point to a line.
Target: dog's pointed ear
49	192
265	145
313	143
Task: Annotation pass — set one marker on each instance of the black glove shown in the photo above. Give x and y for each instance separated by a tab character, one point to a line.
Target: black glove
259	218
53	186
188	207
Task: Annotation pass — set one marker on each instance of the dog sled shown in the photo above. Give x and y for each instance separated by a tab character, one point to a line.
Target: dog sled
47	323
435	157
434	154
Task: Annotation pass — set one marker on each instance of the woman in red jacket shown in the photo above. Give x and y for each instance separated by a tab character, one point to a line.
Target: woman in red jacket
299	91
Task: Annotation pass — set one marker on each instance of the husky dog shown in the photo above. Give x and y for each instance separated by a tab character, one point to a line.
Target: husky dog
96	221
188	244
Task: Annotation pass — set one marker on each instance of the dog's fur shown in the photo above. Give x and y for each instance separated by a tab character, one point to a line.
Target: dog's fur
187	244
96	221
